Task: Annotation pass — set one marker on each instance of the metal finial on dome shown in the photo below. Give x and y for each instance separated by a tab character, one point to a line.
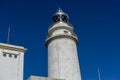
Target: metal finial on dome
60	16
59	10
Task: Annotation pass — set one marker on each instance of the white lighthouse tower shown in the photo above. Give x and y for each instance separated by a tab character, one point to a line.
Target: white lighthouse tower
62	49
11	62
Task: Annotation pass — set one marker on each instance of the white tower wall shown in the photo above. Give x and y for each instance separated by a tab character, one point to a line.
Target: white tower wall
63	59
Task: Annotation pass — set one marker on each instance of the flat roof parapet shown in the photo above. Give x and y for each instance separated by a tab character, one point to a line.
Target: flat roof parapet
42	78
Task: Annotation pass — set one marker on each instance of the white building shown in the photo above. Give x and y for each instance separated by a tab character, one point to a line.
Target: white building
11	62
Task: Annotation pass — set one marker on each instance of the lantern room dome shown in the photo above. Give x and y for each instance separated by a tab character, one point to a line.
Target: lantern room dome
60	16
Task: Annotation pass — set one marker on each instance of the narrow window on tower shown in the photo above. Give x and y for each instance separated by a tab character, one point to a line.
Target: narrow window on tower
65	31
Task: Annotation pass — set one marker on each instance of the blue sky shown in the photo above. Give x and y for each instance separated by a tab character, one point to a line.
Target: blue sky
96	22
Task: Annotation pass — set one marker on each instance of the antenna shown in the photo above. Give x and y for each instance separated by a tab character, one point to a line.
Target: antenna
99	78
8	39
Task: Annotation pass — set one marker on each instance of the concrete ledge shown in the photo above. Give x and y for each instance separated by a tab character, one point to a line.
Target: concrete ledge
12	47
42	78
49	39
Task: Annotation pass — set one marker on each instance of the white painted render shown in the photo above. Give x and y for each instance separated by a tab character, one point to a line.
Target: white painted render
11	67
60	32
58	24
63	60
62	52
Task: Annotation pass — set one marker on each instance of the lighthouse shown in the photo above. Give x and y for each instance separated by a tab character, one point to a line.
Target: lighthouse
62	42
63	63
